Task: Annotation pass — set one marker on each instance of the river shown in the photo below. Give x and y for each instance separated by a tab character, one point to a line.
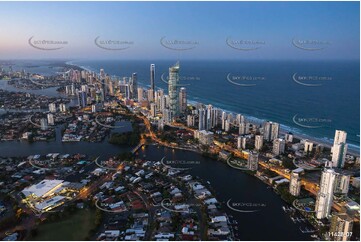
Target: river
269	222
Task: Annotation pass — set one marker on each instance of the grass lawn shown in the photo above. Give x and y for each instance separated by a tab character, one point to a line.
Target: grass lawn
74	227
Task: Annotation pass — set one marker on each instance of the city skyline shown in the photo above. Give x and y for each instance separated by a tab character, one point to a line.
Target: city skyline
93	103
180	121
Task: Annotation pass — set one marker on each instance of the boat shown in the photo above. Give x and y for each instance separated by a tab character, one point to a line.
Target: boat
307	231
288	209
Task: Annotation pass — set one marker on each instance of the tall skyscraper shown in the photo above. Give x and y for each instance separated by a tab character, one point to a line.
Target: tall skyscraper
308	146
275	131
167	116
258	144
152	77
190	120
248	128
230	117
215	116
209	117
339	149
82	102
44	124
102	74
150	95
140	95
253	161
242	128
52	107
240	119
158	98
173	89
182	100
271	131
341	227
111	88
152	110
72	89
340	137
223	120
295	182
241	142
227	126
278	146
164	102
339	155
133	85
342	182
267	131
202	119
324	199
50	119
62	108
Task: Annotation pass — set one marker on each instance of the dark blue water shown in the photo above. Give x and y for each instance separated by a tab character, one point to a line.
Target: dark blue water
269	223
103	149
276	96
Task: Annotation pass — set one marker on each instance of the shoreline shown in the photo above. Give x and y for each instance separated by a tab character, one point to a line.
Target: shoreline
353	149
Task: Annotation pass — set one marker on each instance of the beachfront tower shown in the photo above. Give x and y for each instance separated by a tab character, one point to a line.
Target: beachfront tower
173	89
152	78
324	199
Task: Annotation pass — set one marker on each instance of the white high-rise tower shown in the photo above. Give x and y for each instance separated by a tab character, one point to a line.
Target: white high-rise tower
339	149
324	199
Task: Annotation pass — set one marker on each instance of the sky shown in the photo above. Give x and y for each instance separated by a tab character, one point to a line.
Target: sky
206	30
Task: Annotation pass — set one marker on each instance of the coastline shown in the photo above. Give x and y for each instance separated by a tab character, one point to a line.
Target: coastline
353	149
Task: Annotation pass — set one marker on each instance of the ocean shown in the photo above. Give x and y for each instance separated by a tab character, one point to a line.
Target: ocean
309	98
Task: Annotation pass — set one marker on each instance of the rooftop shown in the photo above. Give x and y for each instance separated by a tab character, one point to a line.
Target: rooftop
42	188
